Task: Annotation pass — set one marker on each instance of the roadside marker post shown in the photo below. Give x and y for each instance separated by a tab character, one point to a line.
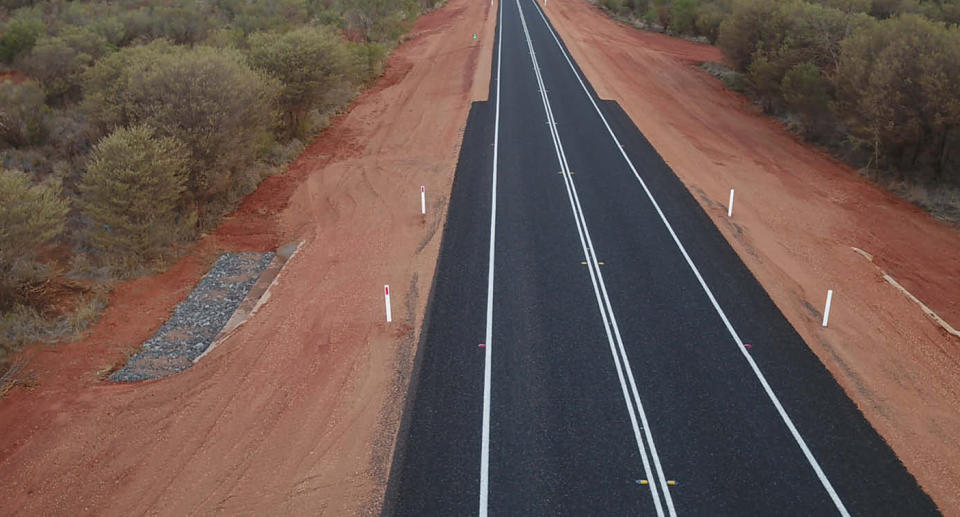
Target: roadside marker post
423	200
730	205
386	298
826	311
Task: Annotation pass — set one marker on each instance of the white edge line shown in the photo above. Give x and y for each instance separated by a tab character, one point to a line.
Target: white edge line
756	369
488	339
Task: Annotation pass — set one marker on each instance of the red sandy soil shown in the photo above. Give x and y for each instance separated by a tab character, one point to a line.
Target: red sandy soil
297	412
796	216
13	76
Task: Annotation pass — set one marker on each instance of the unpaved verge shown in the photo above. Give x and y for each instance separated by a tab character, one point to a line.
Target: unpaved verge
797	215
296	412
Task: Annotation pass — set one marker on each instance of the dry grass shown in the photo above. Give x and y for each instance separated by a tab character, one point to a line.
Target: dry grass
942	201
11	378
24	325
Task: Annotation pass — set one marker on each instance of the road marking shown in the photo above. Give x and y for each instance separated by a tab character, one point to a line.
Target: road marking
603	300
488	349
733	333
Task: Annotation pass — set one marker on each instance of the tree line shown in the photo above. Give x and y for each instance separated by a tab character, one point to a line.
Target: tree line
128	127
874	80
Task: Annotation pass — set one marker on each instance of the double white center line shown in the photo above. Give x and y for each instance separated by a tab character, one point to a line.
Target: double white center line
617	350
821	475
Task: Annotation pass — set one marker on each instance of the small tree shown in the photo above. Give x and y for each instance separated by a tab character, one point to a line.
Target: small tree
685	16
809	95
897	86
132	194
24	118
58	62
209	99
709	18
20	33
310	63
664	10
31	216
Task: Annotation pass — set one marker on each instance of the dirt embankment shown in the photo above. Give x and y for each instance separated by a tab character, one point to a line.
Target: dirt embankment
797	214
297	412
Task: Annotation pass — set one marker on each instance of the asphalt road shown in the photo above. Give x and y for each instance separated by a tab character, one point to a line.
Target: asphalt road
614	377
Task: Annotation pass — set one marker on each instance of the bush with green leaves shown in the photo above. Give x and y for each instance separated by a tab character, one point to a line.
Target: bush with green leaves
251	16
685	16
24	118
132	195
209	99
58	62
897	85
311	63
20	33
807	93
379	20
708	19
179	24
31	217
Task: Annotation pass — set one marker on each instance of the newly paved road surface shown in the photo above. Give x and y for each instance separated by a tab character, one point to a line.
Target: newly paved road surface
614	379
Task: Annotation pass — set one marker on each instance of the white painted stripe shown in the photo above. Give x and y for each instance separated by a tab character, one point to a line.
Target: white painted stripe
488	341
603	300
743	350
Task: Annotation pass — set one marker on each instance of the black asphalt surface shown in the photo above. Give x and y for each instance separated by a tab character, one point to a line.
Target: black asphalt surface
561	438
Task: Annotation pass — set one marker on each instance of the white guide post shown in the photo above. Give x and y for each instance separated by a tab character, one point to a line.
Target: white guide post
730	205
423	200
826	311
386	298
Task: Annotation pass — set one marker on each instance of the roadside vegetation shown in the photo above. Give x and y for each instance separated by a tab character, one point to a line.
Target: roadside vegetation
873	81
129	128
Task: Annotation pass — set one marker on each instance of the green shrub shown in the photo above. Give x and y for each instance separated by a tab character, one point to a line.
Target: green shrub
685	16
20	34
24	118
367	61
132	196
740	33
809	95
58	62
897	86
614	6
180	25
31	216
379	20
311	64
209	99
709	18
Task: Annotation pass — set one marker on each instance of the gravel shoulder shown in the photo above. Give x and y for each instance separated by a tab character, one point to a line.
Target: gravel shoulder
196	321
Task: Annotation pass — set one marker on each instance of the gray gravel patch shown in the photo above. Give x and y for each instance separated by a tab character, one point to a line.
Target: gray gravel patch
197	320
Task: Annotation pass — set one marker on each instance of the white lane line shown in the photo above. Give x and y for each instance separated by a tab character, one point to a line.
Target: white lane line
733	333
488	341
606	310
